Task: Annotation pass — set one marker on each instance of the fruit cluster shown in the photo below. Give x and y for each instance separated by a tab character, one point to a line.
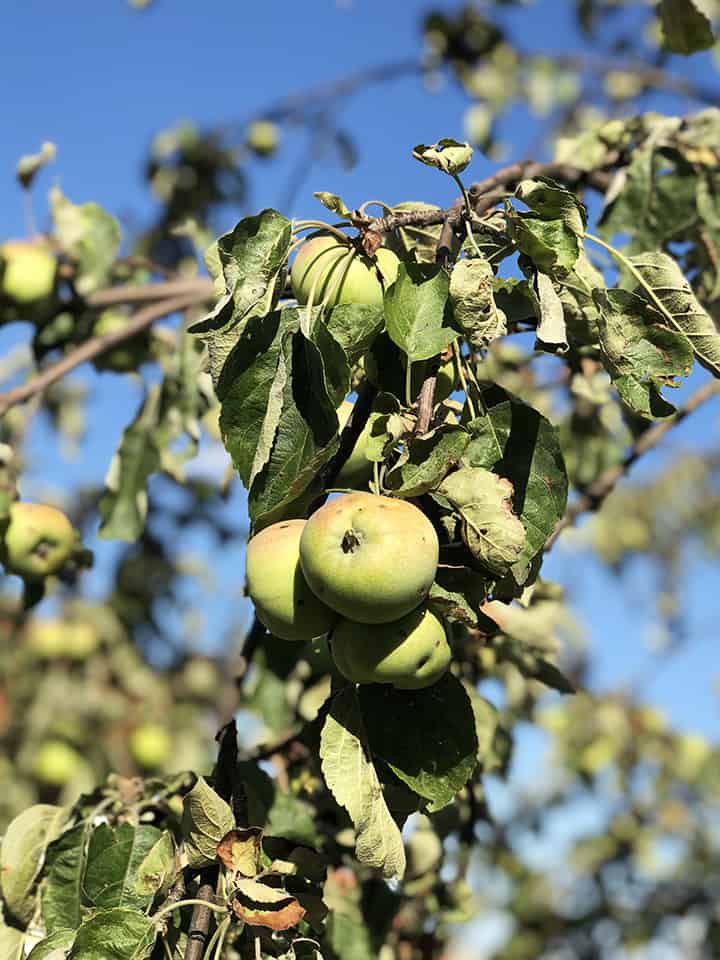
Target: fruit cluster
359	570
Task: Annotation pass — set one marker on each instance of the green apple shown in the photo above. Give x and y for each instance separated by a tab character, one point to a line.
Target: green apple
39	540
371	558
409	653
150	745
28	271
283	601
52	638
125	356
262	138
336	272
357	470
56	763
423	850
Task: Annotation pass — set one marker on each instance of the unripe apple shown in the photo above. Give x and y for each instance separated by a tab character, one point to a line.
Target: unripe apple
410	653
150	745
125	356
28	271
357	470
423	850
56	763
371	558
336	272
39	540
262	138
283	601
62	638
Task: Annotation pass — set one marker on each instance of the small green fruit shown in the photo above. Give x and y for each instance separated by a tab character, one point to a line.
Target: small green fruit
370	558
39	540
56	763
263	138
283	601
409	653
357	470
336	272
125	356
150	745
28	272
52	638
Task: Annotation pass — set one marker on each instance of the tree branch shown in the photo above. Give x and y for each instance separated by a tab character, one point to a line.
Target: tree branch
596	493
199	287
199	924
94	347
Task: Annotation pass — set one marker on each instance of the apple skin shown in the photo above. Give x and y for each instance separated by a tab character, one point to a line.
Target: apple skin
56	763
28	272
357	470
371	558
410	653
39	540
341	279
283	601
150	745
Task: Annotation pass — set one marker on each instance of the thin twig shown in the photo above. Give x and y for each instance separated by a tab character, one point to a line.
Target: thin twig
93	348
608	479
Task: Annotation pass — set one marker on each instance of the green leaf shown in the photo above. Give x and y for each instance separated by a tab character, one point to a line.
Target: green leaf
686	28
55	947
416	312
552	201
353	781
457	593
354	326
61	897
331	201
205	821
113	861
434	754
246	265
551	245
641	353
518	442
551	334
426	460
473	302
22	854
123	506
29	165
666	288
87	235
579	308
489	753
118	934
157	869
450	156
316	377
493	533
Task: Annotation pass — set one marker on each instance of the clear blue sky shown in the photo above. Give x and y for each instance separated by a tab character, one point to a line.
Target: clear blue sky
101	79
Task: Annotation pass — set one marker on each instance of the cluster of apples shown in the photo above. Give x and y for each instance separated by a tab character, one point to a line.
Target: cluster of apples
359	570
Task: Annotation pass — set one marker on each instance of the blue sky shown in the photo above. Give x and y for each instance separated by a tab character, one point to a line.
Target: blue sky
101	79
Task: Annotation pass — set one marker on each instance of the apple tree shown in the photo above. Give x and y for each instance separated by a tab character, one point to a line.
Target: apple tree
416	404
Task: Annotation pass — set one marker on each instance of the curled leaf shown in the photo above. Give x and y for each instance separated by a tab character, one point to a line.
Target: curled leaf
492	532
262	906
447	155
